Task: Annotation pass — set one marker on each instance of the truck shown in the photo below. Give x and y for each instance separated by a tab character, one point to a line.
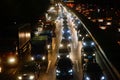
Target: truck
13	42
39	51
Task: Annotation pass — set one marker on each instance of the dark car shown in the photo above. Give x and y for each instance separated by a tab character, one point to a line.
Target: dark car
61	55
28	71
64	68
92	71
88	44
66	33
65	45
39	51
88	56
64	50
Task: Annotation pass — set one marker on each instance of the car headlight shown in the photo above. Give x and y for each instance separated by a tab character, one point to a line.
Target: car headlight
68	45
32	58
61	45
68	31
70	71
43	58
48	46
84	44
80	35
93	54
68	56
63	32
19	77
57	71
31	77
11	60
87	78
0	69
102	78
86	35
58	56
69	37
92	43
84	55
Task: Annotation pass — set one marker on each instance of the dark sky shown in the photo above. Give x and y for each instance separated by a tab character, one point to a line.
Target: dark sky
28	10
22	10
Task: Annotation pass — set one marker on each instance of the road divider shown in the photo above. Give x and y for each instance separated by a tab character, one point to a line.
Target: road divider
77	66
49	63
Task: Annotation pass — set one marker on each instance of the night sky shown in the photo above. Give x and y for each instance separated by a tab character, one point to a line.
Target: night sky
22	10
29	10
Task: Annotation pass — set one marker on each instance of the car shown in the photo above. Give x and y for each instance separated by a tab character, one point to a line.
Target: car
92	71
64	49
76	21
8	55
39	51
64	68
81	36
63	53
28	71
65	45
88	44
64	17
65	21
82	33
66	34
88	56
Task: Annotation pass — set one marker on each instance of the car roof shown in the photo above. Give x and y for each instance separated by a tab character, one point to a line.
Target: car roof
92	67
64	62
28	67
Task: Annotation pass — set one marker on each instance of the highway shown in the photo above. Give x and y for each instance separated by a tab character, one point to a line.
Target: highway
109	70
76	46
74	55
65	17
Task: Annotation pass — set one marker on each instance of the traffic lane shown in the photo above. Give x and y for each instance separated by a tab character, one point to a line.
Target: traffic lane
8	74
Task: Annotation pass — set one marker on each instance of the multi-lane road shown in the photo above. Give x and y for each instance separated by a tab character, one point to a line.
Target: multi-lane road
76	46
75	53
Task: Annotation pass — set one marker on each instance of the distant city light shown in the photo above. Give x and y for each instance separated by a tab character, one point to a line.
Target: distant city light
15	22
118	42
103	27
89	17
109	18
32	58
100	20
108	23
98	10
0	69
